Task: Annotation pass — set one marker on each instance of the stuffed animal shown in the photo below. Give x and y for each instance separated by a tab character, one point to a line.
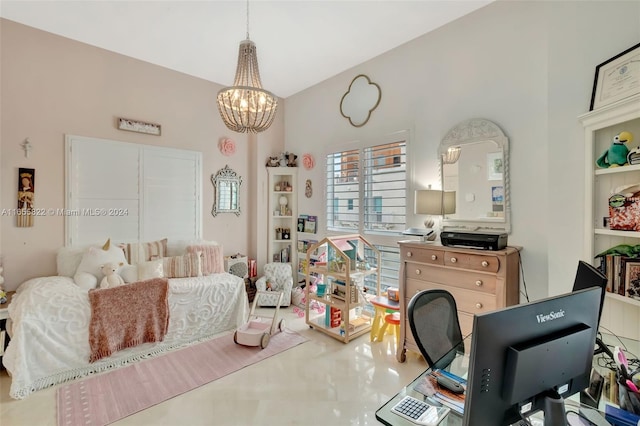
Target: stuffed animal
111	278
89	274
283	160
273	162
291	160
616	154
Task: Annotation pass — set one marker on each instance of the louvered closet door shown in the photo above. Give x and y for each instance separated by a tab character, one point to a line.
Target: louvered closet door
102	191
171	197
131	192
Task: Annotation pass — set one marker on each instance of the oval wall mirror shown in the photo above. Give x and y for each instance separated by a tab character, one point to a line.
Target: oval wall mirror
474	160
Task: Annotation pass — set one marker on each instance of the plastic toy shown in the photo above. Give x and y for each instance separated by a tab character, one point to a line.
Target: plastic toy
258	329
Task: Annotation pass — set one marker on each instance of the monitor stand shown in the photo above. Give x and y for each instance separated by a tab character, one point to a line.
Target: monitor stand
602	348
554	412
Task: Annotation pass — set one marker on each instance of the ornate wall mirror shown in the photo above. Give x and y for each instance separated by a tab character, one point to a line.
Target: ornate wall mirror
474	160
360	100
226	187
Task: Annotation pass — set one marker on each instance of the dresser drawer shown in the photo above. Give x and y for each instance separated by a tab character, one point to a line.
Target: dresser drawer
464	279
432	257
473	302
476	262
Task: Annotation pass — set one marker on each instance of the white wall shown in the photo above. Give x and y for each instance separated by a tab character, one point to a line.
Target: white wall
52	86
528	66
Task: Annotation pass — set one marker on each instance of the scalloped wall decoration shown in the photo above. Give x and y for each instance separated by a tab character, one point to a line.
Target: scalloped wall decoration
360	100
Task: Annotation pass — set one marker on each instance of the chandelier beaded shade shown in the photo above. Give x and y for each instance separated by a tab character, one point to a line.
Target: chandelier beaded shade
246	106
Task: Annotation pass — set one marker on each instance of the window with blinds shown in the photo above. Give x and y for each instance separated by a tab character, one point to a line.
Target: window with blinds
366	194
366	189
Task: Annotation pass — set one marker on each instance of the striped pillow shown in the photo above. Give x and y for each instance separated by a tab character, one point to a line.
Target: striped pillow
143	252
212	258
188	265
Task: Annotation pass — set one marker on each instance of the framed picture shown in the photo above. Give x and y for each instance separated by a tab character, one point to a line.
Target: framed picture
616	78
495	166
631	275
138	126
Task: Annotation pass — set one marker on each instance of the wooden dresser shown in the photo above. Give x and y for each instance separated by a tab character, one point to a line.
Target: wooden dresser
480	281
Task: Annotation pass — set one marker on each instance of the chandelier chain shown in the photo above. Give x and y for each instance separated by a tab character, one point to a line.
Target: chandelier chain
247	19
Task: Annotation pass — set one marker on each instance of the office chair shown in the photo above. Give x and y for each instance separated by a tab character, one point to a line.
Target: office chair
433	318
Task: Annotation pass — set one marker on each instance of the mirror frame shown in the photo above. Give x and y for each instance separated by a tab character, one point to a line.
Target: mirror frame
474	131
351	102
225	175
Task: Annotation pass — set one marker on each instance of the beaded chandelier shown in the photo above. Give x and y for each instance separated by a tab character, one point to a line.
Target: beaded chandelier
246	106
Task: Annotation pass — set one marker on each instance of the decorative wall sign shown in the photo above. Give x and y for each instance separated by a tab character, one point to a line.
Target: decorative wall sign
138	126
26	197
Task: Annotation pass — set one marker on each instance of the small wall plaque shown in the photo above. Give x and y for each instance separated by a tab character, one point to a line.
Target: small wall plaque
138	126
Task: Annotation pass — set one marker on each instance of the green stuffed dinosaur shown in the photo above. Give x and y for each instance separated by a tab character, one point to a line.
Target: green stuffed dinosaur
622	249
616	154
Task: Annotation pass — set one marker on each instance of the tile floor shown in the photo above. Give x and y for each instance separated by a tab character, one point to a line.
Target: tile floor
321	382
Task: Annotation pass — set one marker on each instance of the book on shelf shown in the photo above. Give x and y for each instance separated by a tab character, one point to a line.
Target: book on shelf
310	224
622	272
428	386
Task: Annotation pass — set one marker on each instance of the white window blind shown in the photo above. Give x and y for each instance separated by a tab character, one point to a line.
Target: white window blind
366	189
367	194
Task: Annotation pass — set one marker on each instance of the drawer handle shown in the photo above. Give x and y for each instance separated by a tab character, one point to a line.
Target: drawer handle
454	260
418	272
485	263
409	254
434	257
479	305
479	283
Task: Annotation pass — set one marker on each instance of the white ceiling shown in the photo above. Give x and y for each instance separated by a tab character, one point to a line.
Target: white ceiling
300	43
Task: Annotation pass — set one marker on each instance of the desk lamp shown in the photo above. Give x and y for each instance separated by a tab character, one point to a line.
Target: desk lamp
434	202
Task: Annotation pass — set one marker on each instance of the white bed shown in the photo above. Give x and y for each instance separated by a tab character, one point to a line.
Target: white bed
50	327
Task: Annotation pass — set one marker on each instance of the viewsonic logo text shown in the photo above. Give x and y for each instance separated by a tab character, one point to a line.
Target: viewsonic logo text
553	315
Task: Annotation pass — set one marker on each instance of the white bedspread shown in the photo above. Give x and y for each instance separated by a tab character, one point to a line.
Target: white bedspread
50	336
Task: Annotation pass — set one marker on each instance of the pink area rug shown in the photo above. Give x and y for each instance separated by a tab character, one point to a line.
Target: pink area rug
103	399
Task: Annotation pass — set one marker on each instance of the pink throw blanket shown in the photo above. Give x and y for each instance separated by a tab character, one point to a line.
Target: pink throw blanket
128	315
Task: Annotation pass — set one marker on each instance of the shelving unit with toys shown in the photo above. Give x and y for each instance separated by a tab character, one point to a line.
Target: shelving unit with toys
340	286
283	216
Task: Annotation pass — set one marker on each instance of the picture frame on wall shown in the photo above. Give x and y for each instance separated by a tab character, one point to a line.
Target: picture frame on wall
616	78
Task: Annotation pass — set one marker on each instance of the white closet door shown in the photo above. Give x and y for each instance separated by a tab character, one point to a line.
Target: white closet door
102	191
171	197
130	192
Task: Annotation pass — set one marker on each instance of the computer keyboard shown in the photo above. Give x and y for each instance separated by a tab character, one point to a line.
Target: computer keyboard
419	412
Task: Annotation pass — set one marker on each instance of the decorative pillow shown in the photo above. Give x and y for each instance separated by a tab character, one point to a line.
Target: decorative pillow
179	247
129	273
143	252
68	259
212	258
150	269
188	265
89	274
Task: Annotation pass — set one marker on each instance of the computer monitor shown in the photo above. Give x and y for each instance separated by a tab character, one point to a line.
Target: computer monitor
526	358
588	276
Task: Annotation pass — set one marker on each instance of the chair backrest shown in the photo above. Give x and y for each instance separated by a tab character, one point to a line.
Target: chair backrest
433	318
278	271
